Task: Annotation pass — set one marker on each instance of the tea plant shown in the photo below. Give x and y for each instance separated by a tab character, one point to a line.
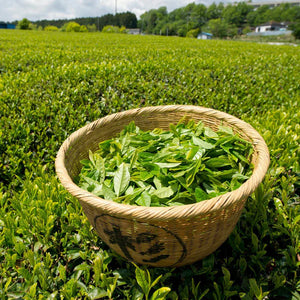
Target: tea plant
51	84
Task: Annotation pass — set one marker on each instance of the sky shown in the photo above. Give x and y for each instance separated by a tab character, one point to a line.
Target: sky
11	10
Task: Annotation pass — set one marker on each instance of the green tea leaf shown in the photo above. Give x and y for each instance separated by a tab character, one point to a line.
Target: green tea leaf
226	130
144	199
108	193
191	153
164	192
142	280
160	294
210	133
160	168
157	183
121	179
168	165
254	287
100	166
205	145
133	159
156	281
217	162
200	194
193	171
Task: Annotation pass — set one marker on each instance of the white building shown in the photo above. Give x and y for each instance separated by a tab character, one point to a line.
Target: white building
134	31
204	36
270	26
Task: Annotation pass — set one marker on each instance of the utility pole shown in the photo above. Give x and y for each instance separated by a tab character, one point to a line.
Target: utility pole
115	7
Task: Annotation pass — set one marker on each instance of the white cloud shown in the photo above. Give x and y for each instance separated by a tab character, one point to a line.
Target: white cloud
12	10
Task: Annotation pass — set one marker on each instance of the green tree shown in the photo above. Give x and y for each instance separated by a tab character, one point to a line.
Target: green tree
114	29
232	31
259	16
172	29
23	24
296	31
126	19
285	12
33	26
292	14
182	32
154	20
236	14
83	28
282	13
217	27
72	27
214	11
92	28
51	28
199	15
123	29
105	20
247	29
251	18
110	29
193	33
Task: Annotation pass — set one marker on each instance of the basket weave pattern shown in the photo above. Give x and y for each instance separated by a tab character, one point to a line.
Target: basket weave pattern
160	236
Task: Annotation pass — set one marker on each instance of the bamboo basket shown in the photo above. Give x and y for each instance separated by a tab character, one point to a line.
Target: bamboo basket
160	236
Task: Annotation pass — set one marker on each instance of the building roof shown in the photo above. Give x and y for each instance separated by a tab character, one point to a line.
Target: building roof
4	25
205	33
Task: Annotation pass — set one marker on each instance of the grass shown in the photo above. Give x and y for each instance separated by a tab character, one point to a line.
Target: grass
51	84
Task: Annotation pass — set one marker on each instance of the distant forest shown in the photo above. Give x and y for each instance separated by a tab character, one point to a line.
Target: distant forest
219	19
127	19
222	20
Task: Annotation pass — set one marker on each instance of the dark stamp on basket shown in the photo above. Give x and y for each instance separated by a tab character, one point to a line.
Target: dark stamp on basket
147	244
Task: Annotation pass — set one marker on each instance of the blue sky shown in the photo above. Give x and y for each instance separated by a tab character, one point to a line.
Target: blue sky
11	10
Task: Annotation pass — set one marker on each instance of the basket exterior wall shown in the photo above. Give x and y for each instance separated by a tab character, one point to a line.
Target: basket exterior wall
175	242
166	236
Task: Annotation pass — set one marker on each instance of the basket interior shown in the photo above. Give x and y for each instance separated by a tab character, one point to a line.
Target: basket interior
90	139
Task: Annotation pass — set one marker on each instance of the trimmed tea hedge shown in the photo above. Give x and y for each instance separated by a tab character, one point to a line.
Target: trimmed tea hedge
51	84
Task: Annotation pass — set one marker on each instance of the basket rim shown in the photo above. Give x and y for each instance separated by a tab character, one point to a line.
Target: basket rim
172	212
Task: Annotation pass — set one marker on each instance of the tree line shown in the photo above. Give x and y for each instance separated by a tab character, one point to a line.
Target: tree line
126	19
218	19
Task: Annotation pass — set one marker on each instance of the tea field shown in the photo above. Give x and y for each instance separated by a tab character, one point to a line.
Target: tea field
51	84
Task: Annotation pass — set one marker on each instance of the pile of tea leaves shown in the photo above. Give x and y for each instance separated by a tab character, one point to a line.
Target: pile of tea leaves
187	164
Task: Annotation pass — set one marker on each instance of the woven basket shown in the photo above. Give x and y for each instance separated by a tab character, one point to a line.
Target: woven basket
160	236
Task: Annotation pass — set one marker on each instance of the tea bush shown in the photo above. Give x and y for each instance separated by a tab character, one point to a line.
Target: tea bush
53	83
